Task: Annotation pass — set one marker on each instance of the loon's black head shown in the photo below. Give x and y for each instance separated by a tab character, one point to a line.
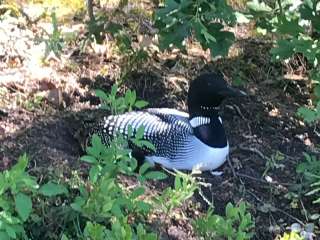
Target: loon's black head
207	92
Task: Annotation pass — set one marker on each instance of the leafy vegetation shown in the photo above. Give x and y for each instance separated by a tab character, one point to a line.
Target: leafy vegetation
206	20
296	27
310	171
18	190
237	224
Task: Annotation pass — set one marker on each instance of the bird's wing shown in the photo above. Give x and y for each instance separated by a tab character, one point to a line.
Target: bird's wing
158	124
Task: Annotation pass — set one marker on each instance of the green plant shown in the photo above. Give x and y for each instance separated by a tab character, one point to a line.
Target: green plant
132	58
237	224
310	170
118	105
17	192
120	230
33	103
184	187
16	186
273	162
103	202
54	43
205	19
297	28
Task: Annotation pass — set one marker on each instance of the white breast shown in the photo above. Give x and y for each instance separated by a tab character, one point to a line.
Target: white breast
197	156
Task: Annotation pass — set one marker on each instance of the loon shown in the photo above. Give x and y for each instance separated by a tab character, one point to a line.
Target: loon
183	141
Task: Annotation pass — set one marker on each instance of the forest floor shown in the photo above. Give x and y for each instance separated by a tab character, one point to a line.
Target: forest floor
43	105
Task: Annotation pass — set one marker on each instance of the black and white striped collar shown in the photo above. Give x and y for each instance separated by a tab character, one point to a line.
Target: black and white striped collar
201	120
210	108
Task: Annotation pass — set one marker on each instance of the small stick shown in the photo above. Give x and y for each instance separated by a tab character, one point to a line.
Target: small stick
277	209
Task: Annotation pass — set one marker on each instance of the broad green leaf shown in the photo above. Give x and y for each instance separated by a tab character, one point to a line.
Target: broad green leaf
8	218
307	114
88	159
242	18
10	231
51	189
20	167
77	205
155	175
23	205
114	28
4	236
144	168
102	95
141	104
94	173
257	6
147	144
96	142
291	27
114	89
143	206
64	237
139	133
284	50
137	192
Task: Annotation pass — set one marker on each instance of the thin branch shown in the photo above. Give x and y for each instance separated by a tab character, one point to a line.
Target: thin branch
90	10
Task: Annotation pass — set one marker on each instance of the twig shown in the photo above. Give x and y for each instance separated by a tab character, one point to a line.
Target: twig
277	209
233	171
261	180
254	150
304	211
239	112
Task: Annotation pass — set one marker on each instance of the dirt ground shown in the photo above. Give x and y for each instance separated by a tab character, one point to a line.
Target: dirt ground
260	127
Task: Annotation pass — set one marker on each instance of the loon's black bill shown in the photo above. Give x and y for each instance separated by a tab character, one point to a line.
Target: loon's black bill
232	92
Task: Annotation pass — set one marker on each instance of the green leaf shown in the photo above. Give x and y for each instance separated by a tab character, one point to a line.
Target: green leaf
64	237
257	6
144	168
4	236
141	104
3	184
51	189
291	27
94	173
284	50
307	114
143	206
114	28
155	175
10	231
96	142
139	133
102	95
147	144
88	159
242	18
137	192
20	167
177	182
77	205
23	205
114	90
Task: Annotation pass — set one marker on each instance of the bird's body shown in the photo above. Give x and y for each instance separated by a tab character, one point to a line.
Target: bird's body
186	141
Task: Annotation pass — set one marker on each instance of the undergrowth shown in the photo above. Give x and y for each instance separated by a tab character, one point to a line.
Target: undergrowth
101	206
